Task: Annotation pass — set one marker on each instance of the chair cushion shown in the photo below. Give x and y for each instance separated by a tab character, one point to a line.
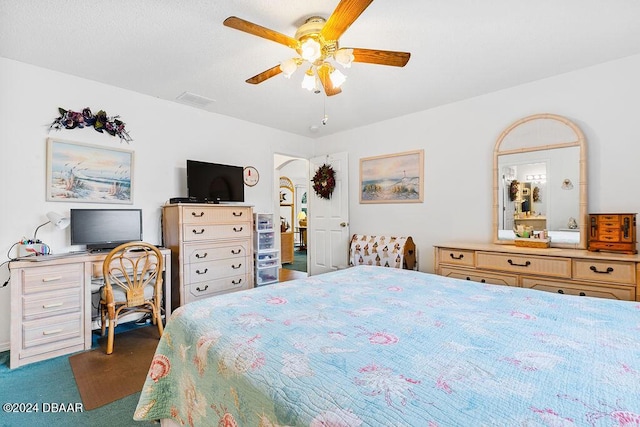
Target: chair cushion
119	294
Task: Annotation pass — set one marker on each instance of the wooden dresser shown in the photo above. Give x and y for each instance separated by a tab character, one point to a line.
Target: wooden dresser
612	232
211	249
565	271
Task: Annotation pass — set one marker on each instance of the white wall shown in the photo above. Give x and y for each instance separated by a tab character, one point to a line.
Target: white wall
165	134
459	139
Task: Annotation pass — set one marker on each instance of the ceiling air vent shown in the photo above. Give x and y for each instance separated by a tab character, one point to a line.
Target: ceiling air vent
194	100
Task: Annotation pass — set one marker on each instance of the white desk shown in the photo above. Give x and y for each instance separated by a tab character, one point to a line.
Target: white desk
51	305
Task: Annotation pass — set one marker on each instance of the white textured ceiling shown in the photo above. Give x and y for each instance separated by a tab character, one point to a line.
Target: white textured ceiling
459	49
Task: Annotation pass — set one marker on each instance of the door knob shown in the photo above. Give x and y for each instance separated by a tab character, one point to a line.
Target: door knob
343	224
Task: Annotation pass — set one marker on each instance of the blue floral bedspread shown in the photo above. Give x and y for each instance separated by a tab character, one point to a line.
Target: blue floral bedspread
372	346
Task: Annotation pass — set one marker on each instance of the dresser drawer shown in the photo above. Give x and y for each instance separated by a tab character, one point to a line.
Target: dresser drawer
61	331
605	271
196	291
208	215
194	233
456	256
480	276
52	278
47	304
520	263
204	271
210	251
626	293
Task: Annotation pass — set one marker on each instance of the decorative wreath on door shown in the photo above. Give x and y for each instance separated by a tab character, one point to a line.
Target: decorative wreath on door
324	181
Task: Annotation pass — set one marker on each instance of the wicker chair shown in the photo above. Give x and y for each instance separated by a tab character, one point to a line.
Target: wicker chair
132	282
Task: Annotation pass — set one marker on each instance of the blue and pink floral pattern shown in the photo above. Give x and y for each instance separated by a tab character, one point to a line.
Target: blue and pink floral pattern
371	346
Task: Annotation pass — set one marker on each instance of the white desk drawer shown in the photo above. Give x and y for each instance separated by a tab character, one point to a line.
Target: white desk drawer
52	330
49	304
204	271
51	278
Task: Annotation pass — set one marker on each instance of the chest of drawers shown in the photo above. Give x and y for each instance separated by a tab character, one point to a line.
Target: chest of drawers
564	271
612	232
211	248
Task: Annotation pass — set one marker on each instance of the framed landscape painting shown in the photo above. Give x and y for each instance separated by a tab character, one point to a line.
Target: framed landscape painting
88	173
392	178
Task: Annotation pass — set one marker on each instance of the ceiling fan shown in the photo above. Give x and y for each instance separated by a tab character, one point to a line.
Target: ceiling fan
316	42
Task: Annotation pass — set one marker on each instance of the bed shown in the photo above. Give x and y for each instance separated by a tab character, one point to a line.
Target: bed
374	346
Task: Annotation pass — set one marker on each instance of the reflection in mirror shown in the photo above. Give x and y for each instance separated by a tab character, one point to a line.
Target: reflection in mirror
537	161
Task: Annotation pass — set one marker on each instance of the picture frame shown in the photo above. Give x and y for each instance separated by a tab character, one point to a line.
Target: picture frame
392	178
78	172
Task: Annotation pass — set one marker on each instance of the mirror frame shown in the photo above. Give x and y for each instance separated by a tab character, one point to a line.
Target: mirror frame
579	141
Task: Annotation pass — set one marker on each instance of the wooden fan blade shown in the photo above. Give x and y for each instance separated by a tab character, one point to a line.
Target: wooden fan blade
342	17
381	57
323	74
259	78
257	30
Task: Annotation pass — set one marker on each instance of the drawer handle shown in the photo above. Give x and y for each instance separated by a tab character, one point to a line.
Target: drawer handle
237	213
57	304
51	279
526	264
582	294
202	290
52	332
234	267
237	230
202	272
456	257
201	256
236	283
196	215
198	232
595	270
483	281
560	291
236	252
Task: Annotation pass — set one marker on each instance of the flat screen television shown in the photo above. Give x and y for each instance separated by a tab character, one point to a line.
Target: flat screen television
104	229
214	182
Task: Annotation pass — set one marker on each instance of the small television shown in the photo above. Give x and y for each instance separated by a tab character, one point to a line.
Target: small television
214	182
104	229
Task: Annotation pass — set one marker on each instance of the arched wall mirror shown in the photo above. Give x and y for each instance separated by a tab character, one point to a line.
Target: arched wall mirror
540	180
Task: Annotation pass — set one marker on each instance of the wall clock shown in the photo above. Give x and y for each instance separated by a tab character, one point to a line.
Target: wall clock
251	176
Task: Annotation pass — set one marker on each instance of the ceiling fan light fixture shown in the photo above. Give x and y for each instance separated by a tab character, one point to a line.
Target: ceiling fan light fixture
309	80
310	50
344	57
288	67
337	78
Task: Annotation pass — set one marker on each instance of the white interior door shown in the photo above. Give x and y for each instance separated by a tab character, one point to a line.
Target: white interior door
328	221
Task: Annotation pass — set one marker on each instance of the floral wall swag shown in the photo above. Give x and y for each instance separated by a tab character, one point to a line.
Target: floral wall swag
324	181
100	122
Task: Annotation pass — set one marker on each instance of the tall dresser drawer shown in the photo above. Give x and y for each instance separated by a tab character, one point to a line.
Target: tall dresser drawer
203	271
521	263
194	253
605	271
196	291
197	232
208	215
52	278
456	256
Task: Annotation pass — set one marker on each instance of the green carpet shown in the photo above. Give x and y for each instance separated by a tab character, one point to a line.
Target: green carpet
299	261
51	382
